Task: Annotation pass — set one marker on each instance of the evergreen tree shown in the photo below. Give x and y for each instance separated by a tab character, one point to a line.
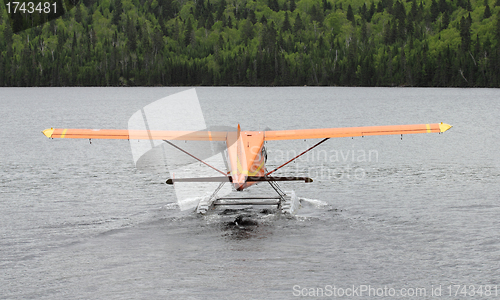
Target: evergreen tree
131	35
246	31
399	11
442	6
117	11
469	6
477	46
487	11
363	32
273	4
251	17
263	20
389	33
465	33
410	28
220	10
7	34
316	14
74	42
286	23
350	14
298	26
199	8
78	14
187	32
413	11
445	20
434	10
371	12
380	7
363	11
497	30
388	5
326	5
210	21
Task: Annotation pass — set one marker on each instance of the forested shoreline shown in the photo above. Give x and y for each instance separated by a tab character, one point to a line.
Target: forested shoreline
425	43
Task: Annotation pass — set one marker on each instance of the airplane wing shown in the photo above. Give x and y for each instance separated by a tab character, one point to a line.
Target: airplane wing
124	134
222	135
353	131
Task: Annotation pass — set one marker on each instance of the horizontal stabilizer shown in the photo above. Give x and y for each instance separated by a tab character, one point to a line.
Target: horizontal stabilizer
200	179
274	178
230	179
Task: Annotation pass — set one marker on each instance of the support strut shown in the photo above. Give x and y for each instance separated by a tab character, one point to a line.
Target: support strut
184	151
323	140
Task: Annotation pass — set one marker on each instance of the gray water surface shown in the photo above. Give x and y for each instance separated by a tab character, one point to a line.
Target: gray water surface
78	221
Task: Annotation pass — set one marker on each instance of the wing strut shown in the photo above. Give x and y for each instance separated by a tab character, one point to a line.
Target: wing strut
171	144
323	140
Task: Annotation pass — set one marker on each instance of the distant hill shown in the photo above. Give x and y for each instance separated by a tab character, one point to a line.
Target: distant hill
262	43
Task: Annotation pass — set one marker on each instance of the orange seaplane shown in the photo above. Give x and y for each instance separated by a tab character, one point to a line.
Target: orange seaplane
246	154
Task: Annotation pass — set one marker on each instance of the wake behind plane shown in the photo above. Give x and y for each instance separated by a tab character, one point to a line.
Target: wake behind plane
245	155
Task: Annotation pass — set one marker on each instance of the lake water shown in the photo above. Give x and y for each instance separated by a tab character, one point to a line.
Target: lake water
79	221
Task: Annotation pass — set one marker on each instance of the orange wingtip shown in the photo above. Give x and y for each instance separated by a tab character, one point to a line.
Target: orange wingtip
443	127
48	132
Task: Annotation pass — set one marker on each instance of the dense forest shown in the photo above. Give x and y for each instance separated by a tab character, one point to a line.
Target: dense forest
258	42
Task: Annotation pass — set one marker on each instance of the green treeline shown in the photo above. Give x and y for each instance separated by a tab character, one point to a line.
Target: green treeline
258	42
